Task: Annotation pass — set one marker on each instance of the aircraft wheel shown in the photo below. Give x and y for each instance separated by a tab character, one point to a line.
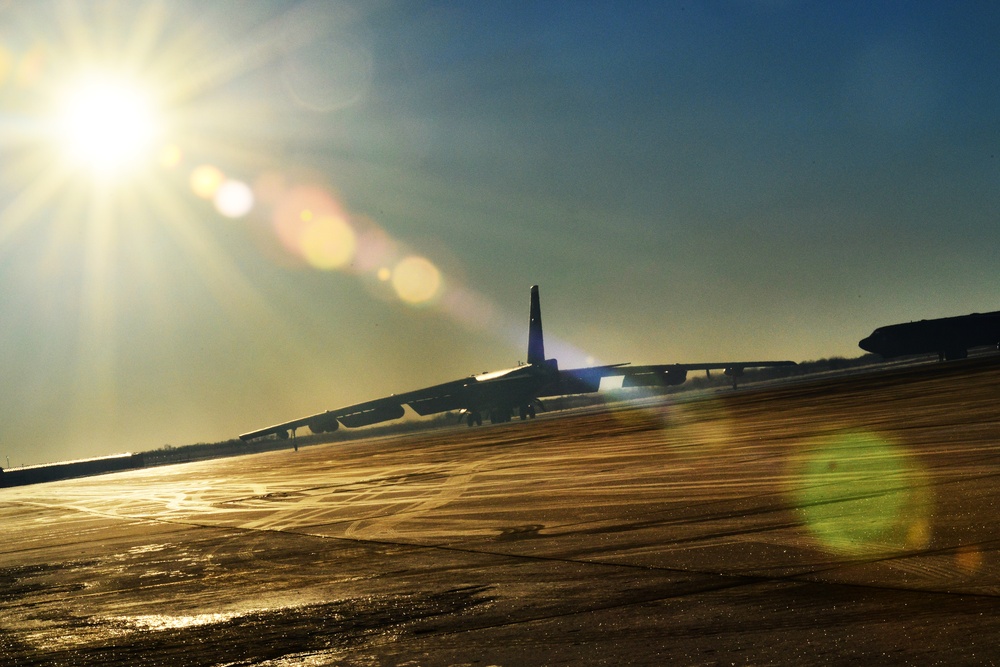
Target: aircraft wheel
470	420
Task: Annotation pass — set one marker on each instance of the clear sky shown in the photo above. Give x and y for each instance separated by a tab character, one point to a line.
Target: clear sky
215	216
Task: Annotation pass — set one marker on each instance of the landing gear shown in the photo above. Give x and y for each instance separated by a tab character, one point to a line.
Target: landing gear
498	416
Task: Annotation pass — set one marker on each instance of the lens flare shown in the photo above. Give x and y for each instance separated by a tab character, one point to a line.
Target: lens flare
969	559
701	428
170	156
472	310
325	66
269	187
693	432
233	199
6	64
416	280
312	225
328	242
376	250
205	180
860	495
31	66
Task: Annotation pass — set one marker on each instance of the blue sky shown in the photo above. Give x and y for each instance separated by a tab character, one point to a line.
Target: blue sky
698	181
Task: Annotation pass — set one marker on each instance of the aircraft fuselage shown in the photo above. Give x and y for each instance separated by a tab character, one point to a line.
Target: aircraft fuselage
948	337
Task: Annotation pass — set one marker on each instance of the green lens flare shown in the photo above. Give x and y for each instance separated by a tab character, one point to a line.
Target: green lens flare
860	495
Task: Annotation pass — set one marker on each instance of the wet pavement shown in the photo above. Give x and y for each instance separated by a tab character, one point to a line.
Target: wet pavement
825	522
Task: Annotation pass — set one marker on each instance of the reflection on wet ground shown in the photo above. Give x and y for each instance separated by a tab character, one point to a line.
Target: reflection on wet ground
820	522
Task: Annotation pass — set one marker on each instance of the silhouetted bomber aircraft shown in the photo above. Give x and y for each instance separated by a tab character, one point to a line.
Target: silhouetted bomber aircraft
500	394
949	337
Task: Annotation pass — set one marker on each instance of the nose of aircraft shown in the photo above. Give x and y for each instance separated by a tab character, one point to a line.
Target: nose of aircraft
866	344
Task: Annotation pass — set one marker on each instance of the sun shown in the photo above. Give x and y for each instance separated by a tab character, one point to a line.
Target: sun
106	125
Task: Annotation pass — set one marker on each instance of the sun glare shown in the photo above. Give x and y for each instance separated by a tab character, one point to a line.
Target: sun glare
106	126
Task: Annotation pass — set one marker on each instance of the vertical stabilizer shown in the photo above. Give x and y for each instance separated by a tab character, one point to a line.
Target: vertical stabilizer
536	348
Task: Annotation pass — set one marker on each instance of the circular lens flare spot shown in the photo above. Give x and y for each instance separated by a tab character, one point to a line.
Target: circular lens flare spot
233	199
312	225
206	180
861	495
701	429
328	242
969	559
416	280
170	156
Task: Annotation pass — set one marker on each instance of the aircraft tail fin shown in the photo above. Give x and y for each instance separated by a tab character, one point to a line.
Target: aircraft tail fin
536	347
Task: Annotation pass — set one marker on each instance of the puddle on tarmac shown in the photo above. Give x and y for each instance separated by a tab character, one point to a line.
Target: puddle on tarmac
147	549
154	622
312	634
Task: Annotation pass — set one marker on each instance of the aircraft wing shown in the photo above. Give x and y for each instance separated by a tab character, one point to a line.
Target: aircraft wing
500	393
361	414
586	380
454	395
513	386
429	400
667	374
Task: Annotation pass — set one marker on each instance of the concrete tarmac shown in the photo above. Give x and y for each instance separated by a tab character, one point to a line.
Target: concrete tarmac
833	521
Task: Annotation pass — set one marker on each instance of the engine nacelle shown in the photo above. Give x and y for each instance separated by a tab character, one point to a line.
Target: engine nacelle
665	378
674	377
325	423
373	416
580	383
